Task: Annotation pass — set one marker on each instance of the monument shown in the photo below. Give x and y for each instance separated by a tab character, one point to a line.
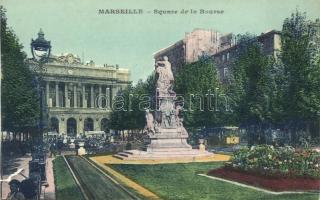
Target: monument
168	137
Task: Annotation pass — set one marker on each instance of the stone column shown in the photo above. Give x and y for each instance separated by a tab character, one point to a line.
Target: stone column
96	123
114	91
100	92
48	93
84	101
74	95
66	98
57	94
108	97
92	97
80	124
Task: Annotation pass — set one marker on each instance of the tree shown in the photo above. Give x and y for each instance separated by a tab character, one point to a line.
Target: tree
136	99
199	85
252	87
20	102
300	59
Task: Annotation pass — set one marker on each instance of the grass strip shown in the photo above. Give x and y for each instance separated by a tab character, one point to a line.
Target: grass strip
138	189
96	185
66	187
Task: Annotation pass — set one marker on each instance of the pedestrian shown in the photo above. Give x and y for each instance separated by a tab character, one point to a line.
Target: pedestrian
29	187
15	194
53	149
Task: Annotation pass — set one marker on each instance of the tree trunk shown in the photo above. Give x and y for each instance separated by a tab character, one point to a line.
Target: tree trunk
308	129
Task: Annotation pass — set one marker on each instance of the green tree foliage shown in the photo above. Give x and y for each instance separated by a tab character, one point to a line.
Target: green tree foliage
301	69
252	87
198	84
19	99
120	118
129	111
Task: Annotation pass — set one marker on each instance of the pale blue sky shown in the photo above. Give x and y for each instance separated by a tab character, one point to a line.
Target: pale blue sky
130	40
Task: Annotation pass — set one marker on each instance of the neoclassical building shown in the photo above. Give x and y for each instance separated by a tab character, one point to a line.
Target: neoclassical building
79	96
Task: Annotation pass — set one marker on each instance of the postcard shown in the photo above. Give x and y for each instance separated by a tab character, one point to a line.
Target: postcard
150	99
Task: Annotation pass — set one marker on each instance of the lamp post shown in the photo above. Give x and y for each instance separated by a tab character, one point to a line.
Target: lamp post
40	49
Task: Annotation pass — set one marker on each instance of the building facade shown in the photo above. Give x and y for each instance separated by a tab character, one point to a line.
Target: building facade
221	47
79	96
270	42
189	49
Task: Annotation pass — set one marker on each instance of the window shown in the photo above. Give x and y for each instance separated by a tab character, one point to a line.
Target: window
228	56
222	58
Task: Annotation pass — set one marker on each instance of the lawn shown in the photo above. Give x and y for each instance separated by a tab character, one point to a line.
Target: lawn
180	181
66	187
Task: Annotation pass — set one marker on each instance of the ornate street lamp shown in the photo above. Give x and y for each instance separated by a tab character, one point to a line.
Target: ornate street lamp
40	49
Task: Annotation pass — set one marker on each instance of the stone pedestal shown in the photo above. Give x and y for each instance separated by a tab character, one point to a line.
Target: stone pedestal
165	154
166	143
168	139
202	147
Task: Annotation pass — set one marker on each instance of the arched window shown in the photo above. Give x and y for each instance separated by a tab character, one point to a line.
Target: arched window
71	127
88	124
54	125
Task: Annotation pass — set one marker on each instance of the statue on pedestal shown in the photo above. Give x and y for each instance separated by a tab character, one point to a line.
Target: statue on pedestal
166	135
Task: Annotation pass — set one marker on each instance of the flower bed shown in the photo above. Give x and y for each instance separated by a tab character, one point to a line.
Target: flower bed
283	161
268	182
277	169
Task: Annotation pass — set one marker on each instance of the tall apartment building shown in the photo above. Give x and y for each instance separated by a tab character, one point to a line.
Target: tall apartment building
270	41
221	47
190	48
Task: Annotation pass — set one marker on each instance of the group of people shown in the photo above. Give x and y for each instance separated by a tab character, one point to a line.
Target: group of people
24	190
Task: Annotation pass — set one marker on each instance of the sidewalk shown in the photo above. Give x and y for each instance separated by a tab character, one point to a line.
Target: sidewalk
49	192
11	165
